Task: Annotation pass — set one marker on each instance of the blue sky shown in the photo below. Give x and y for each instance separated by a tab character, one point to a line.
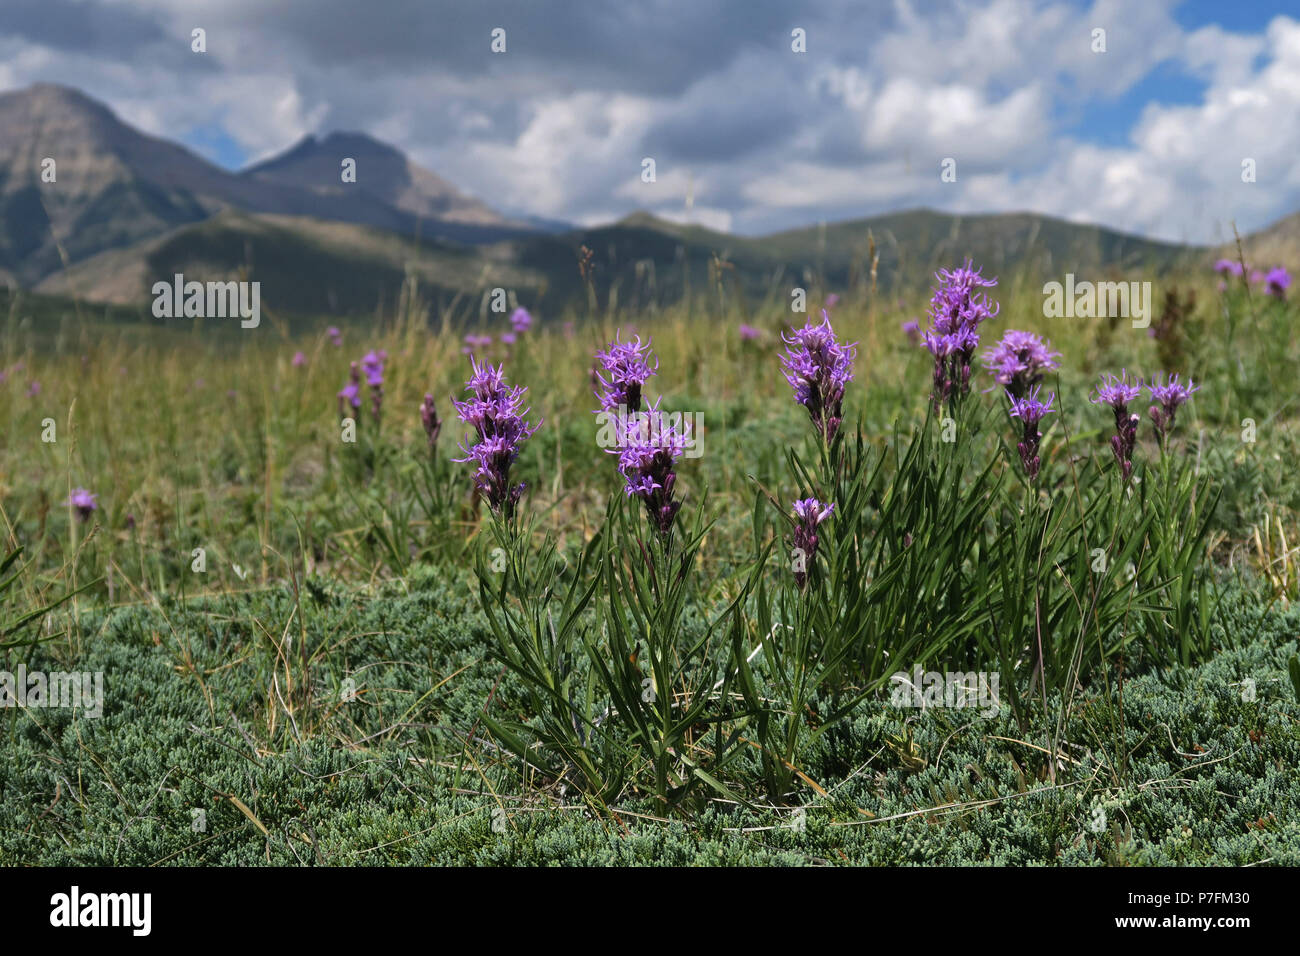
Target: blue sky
747	134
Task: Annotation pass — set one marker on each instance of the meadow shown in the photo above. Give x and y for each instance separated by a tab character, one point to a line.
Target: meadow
340	652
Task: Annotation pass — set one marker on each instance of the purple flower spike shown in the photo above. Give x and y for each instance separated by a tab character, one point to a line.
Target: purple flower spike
1278	282
957	309
1169	395
650	444
1019	361
350	394
810	513
1030	411
430	420
494	412
748	333
818	366
373	367
84	503
912	329
622	369
1117	391
299	359
1229	267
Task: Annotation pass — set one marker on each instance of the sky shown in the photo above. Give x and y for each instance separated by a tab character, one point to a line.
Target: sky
747	134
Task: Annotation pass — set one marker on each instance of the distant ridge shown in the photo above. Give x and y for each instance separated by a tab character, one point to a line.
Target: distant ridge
116	186
383	173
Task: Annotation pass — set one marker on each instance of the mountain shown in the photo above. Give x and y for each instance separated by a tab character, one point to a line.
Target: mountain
383	173
115	187
304	265
1278	244
307	265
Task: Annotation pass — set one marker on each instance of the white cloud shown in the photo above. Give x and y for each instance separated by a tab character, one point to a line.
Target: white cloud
764	137
1180	177
574	149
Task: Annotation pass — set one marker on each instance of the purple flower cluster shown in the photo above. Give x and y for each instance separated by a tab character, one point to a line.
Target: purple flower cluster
83	502
957	309
1278	281
493	410
335	335
1117	392
372	366
1168	395
350	394
809	514
622	369
1030	411
818	366
430	420
650	443
1019	361
748	333
473	342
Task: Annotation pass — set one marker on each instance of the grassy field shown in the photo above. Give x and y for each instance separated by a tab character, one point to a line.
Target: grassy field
334	651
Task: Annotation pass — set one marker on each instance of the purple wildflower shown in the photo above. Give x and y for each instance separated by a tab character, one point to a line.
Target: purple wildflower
810	513
626	368
748	333
832	301
1229	267
350	394
650	444
1019	361
33	389
1168	394
299	360
521	321
473	342
818	366
1030	411
912	329
84	503
335	336
1117	392
957	309
1278	282
372	366
495	414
